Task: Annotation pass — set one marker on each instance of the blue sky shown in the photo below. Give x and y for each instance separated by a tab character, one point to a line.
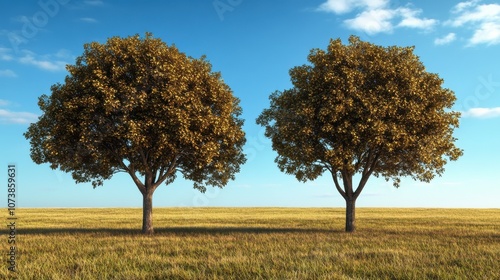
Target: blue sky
254	44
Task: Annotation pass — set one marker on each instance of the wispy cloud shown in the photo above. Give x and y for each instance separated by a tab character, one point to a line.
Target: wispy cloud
326	195
63	54
8	73
482	113
5	54
376	16
46	62
43	64
94	2
88	20
483	19
464	6
9	117
49	62
446	39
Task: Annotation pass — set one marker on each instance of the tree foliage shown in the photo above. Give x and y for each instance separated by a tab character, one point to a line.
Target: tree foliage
362	109
142	107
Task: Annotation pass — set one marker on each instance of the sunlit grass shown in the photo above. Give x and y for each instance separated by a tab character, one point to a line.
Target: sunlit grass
258	243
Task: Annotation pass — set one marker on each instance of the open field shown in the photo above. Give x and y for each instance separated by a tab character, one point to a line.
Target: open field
257	243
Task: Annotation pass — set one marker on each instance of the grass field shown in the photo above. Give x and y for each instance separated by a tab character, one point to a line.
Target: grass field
256	243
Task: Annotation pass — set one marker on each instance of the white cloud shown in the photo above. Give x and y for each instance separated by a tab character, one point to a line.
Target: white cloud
488	33
446	39
376	16
411	20
346	6
88	20
482	112
8	73
464	5
10	117
45	63
481	13
372	21
4	102
483	19
336	6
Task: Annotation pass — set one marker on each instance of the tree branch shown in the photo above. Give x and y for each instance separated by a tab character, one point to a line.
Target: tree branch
144	158
325	165
163	176
347	180
374	163
337	185
368	162
361	184
137	181
367	172
360	159
124	166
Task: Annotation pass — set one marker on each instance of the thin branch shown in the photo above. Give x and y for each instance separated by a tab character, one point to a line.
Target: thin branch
148	174
374	163
116	156
360	160
368	162
168	172
124	166
137	181
366	175
326	166
144	158
337	185
361	184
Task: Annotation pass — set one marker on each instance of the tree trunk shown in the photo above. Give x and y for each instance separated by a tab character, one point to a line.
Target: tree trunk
147	212
350	215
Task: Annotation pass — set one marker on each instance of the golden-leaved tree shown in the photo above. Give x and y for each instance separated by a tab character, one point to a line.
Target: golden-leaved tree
362	109
139	106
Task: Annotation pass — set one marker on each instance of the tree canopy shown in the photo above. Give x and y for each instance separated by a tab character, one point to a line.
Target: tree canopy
139	106
362	109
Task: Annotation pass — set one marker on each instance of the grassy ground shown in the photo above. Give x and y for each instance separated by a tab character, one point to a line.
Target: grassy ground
257	243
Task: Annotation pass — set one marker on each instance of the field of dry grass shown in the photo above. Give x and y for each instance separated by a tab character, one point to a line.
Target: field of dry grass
257	243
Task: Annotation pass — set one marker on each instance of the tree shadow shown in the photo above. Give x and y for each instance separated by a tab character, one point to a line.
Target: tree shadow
175	231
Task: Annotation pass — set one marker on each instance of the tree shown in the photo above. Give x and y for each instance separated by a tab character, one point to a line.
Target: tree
139	106
362	109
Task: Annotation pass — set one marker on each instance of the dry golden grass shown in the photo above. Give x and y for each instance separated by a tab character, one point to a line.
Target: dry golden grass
257	243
